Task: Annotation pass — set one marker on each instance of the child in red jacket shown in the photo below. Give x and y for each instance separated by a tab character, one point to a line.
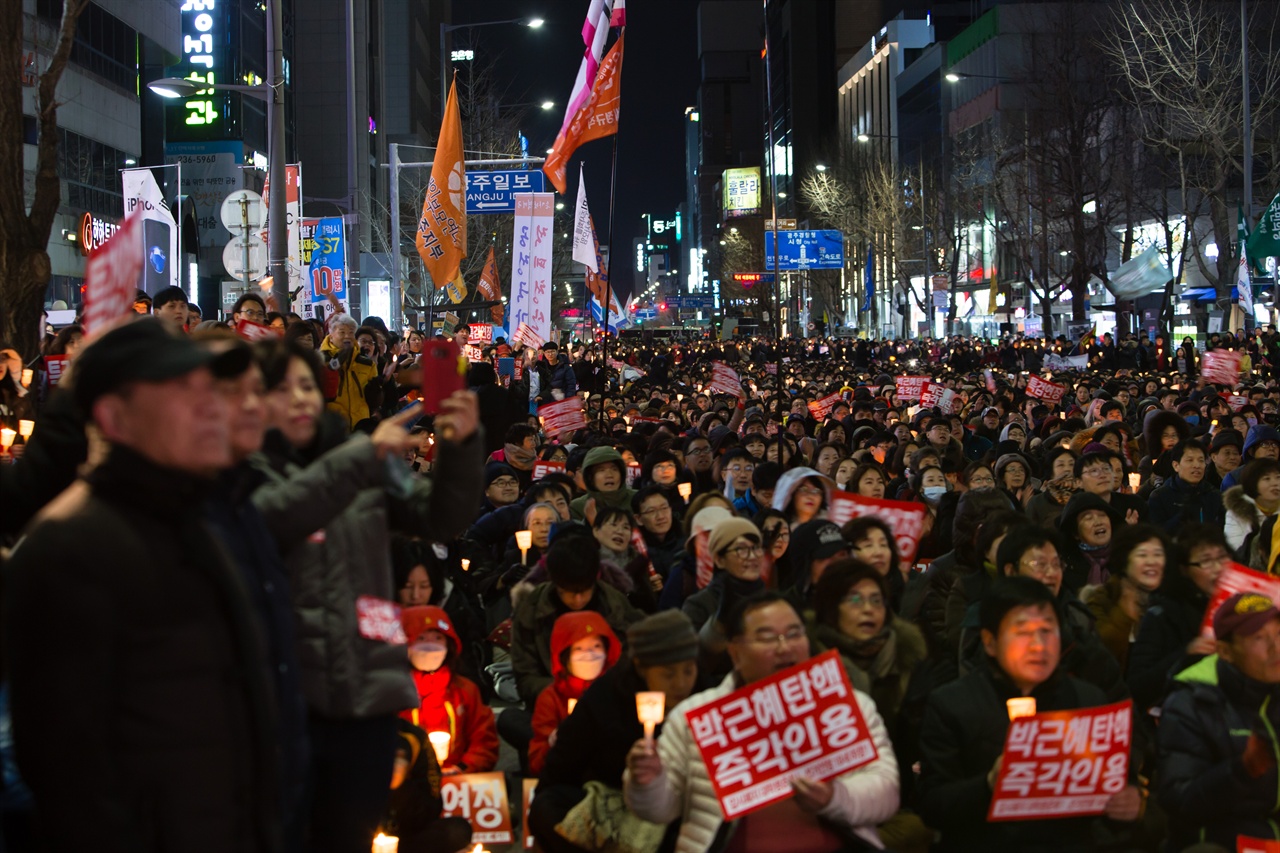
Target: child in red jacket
447	702
582	647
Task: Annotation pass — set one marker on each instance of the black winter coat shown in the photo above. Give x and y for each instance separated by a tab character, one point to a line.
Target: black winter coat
1159	651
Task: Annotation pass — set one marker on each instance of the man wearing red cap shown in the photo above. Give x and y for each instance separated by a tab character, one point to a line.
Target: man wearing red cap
1218	727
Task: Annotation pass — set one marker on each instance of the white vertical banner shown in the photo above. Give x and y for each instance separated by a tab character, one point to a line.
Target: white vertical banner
520	305
293	220
584	236
160	262
543	233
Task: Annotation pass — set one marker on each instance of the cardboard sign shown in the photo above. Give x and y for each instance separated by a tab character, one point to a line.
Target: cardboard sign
111	277
910	387
562	416
1063	763
542	468
1221	366
1237	402
480	798
252	331
803	721
725	379
54	367
1050	392
379	620
823	407
1237	578
905	519
529	787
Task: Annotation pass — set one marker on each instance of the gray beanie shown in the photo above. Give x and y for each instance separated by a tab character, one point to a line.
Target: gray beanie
665	637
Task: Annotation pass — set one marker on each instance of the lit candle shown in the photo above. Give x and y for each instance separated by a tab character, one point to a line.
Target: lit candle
1021	706
440	743
25	428
466	564
6	438
27	375
524	539
573	703
1135	482
650	706
685	489
385	843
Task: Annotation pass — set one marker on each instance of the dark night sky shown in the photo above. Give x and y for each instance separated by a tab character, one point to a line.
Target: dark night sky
659	79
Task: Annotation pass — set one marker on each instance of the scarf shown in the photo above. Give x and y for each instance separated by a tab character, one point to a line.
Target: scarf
519	457
1097	556
432	715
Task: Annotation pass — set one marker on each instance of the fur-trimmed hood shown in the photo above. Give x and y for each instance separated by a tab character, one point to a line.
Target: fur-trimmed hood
1240	504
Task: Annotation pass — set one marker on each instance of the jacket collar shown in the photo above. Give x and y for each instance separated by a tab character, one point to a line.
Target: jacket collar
129	478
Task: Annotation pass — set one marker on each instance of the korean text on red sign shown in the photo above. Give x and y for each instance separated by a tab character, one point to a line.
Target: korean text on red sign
1063	763
803	721
1237	578
905	518
725	379
910	387
823	407
1221	366
1050	392
481	799
932	394
543	467
562	416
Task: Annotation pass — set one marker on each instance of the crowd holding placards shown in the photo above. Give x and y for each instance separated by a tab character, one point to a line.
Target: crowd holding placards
815	595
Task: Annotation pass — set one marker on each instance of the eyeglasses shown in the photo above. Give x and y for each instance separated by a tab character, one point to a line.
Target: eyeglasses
1040	568
1212	561
701	451
809	491
657	510
982	481
744	552
779	532
857	601
787	638
253	313
741	469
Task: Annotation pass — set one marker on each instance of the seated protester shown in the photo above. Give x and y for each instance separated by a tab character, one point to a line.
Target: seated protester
1088	524
591	744
1224	455
965	723
421	580
1217	777
661	468
1097	476
776	538
1168	638
1033	552
447	702
867	480
413	812
814	546
682	581
1262	442
802	494
890	664
487	540
605	476
501	487
668	780
582	647
764	479
653	509
735	547
621	565
1140	554
520	451
495	586
1046	507
754	443
1186	498
871	542
930	486
1249	505
170	305
736	467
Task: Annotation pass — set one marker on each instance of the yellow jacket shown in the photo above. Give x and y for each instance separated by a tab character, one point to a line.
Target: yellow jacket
354	377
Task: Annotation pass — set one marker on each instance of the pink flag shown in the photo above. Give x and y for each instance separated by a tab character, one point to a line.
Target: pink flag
595	31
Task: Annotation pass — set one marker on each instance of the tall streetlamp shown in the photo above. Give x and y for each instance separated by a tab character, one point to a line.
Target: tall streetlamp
445	29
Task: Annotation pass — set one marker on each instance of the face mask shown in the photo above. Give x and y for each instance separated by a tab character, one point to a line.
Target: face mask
1193	419
427	657
586	665
1252	421
934	493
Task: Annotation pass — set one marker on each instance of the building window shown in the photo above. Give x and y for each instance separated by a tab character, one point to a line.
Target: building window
104	45
90	171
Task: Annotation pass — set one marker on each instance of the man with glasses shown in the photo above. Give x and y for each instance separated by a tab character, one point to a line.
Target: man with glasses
668	780
1097	476
697	462
736	467
662	536
938	433
251	307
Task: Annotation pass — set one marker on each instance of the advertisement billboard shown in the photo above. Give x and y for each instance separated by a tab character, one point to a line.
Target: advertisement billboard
741	192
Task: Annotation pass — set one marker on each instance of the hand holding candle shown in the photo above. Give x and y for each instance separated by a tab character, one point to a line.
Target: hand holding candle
25	428
440	744
466	564
6	439
524	539
685	489
385	843
1021	706
650	708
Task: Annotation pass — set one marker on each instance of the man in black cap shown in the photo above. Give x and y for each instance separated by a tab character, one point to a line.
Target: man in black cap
158	633
814	546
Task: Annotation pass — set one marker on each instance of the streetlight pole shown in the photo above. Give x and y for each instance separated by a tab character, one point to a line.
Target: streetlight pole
445	29
1247	197
278	244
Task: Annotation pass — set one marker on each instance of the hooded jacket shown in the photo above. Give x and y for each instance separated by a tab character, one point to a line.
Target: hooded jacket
1243	516
1258	433
790	481
552	707
1202	784
1153	426
354	376
448	701
1077	563
619	498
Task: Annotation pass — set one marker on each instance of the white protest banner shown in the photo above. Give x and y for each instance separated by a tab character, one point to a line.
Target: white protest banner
905	518
1063	763
541	238
802	721
111	277
910	387
378	619
481	799
1237	578
1221	366
520	305
725	379
562	416
1065	362
1050	392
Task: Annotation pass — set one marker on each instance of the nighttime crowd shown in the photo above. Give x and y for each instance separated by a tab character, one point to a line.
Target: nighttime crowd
203	534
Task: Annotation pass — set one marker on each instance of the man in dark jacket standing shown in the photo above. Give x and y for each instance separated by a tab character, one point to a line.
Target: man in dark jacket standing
1218	732
1186	498
157	641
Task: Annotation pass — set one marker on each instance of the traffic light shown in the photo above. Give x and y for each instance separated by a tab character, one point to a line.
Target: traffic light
662	306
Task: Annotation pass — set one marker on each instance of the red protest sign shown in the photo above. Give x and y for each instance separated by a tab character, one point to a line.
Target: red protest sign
905	519
481	333
252	331
802	721
991	380
473	354
542	468
1245	844
823	407
480	798
1221	366
379	620
910	387
725	379
1237	402
1237	578
932	394
528	787
111	277
1063	763
527	336
1050	392
562	416
54	366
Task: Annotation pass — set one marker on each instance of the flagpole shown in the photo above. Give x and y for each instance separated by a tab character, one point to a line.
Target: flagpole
613	205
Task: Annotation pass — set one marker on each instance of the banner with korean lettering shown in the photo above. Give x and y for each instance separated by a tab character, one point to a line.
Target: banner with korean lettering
543	236
323	248
480	799
910	387
1050	392
1237	578
54	367
932	394
725	379
527	336
490	287
1237	402
1065	362
1063	763
111	277
543	467
293	223
562	416
1221	366
821	408
802	721
905	519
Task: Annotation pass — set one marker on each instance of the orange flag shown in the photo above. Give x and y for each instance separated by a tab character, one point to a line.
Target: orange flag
597	118
490	287
442	229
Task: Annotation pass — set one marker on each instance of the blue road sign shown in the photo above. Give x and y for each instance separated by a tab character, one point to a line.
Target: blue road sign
805	250
495	191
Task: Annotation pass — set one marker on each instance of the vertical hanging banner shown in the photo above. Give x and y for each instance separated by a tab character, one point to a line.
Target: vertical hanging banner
542	235
442	228
323	248
160	265
490	286
520	304
598	114
293	221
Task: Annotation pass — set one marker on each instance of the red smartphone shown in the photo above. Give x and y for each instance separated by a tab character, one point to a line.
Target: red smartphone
444	370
